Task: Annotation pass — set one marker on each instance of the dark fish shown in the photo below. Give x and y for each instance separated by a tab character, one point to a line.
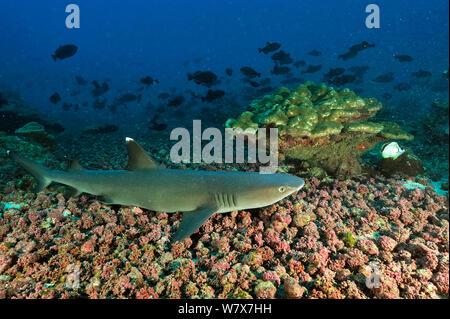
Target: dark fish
176	101
282	57
384	78
421	74
2	101
102	129
85	104
148	80
163	96
312	69
213	95
55	98
359	71
65	51
127	98
387	96
334	72
229	71
354	49
206	78
154	125
315	53
80	80
98	89
403	58
66	106
269	47
299	63
249	72
253	83
279	70
402	87
99	104
342	79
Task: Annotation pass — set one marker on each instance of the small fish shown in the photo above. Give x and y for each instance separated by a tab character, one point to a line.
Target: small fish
206	78
80	80
354	49
391	150
403	58
98	89
402	87
249	72
282	57
148	80
334	72
99	104
421	74
55	98
279	70
176	101
299	63
312	69
229	71
154	125
292	80
2	100
163	96
315	53
213	95
342	79
127	98
384	78
66	106
253	83
269	47
65	51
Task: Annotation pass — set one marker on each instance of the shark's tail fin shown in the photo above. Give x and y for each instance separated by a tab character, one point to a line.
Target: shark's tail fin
39	172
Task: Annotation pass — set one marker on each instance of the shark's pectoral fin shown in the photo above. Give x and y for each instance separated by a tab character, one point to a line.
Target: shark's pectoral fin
72	191
192	221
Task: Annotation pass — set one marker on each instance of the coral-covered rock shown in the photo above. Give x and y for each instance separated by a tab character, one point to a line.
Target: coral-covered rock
35	133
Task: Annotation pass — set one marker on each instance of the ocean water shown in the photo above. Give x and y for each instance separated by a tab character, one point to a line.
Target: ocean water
358	203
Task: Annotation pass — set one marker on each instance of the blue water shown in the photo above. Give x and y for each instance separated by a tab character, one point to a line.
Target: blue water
126	40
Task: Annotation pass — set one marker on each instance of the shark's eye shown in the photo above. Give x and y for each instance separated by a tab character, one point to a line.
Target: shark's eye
282	189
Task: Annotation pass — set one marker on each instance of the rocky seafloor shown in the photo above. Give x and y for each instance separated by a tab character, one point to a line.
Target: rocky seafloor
365	237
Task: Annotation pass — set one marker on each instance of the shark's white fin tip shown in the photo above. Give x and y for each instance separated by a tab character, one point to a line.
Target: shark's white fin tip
128	139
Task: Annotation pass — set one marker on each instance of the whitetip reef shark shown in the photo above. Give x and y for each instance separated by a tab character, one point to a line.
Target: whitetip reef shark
198	194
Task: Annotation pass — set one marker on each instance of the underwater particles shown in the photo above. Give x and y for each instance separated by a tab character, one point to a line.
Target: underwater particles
55	98
148	80
269	47
64	52
249	72
213	95
206	78
354	49
403	58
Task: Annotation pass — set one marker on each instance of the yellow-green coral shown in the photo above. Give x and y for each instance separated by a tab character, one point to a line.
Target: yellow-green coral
322	126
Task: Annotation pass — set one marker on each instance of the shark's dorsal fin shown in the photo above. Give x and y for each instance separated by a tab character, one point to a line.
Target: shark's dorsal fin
137	157
74	165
